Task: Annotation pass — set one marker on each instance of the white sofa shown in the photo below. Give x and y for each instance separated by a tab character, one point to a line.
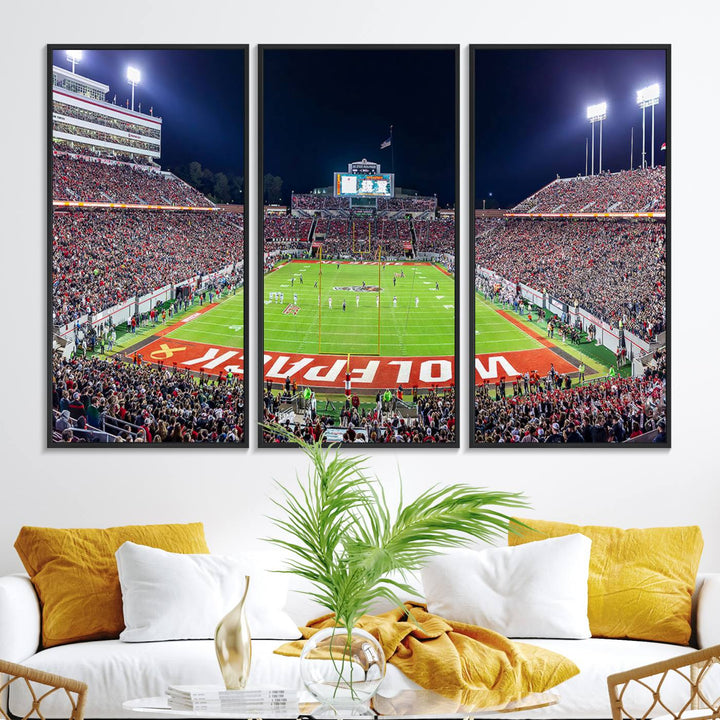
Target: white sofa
116	671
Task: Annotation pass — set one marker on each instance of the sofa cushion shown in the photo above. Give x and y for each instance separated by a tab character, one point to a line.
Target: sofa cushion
534	590
641	580
183	596
117	671
75	574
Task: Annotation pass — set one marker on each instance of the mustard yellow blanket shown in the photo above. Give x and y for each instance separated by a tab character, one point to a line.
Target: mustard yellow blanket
469	665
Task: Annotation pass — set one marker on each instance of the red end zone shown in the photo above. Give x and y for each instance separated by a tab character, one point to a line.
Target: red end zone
365	371
489	366
188	355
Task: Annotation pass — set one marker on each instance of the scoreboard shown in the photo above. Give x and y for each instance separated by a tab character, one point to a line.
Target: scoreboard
354	185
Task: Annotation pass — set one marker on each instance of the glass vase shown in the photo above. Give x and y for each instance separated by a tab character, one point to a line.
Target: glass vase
233	645
342	670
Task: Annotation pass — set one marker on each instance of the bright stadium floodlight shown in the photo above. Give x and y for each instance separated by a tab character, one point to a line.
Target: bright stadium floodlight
649	97
133	77
73	57
649	94
596	113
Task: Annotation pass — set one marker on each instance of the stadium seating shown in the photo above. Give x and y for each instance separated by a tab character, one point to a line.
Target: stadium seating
145	403
614	269
79	178
349	237
100	258
612	410
625	191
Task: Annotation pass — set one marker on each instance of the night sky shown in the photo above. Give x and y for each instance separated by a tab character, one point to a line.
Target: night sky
531	120
324	108
199	93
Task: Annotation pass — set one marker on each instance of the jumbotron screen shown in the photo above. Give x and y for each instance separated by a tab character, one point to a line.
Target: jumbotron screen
350	185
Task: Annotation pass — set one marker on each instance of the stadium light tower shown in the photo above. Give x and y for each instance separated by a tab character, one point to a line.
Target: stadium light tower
133	76
649	97
73	57
596	113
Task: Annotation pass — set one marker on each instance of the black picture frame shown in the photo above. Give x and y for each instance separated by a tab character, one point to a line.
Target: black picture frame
260	384
52	443
471	276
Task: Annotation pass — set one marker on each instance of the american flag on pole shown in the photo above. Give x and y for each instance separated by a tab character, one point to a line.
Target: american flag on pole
386	143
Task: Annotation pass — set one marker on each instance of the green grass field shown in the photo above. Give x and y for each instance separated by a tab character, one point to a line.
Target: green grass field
405	330
494	334
223	325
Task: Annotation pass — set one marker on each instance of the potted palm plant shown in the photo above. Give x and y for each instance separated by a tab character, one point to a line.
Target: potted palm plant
343	537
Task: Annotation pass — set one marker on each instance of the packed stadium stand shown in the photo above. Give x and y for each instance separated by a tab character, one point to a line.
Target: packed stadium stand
612	267
615	269
107	254
613	410
641	190
360	235
143	403
101	257
77	177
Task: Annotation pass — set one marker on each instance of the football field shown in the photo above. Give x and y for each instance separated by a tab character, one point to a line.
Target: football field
495	334
221	325
408	311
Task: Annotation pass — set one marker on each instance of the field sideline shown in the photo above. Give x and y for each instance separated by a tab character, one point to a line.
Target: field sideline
522	346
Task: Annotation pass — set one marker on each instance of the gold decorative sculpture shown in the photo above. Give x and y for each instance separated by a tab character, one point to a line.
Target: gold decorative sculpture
232	645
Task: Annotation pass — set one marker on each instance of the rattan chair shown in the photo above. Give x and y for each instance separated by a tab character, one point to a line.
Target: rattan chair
41	685
697	672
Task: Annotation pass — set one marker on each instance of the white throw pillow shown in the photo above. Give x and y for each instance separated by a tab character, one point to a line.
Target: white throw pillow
176	596
536	590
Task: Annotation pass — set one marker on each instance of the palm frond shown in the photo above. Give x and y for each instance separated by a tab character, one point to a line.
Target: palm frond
346	541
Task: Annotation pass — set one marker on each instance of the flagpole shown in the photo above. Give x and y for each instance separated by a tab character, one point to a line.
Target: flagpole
392	152
632	138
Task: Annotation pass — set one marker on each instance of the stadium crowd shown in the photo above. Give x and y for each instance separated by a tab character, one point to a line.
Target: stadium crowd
435	421
100	258
286	227
90	152
145	403
625	191
609	411
92	134
408	204
308	201
79	113
345	237
614	269
81	178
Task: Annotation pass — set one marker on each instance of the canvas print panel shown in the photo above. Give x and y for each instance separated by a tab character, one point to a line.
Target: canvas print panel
147	222
570	246
359	313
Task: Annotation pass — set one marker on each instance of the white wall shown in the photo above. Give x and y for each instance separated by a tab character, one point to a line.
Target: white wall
228	489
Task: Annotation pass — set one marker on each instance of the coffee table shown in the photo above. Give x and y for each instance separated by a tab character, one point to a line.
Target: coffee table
406	705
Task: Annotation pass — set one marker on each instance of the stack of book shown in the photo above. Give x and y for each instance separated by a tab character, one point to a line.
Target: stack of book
251	702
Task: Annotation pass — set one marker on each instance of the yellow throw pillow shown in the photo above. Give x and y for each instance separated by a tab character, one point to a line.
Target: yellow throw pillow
641	580
75	574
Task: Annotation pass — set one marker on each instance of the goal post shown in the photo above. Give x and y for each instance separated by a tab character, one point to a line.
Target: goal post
359	249
379	290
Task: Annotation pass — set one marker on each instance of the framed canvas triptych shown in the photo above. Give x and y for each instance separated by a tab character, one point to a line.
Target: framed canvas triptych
355	219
